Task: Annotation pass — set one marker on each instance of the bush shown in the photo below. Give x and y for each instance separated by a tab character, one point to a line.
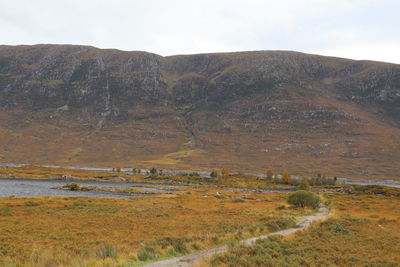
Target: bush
337	228
180	247
286	178
72	186
31	203
5	211
303	185
171	252
321	180
195	246
214	174
178	244
147	253
107	252
153	171
303	199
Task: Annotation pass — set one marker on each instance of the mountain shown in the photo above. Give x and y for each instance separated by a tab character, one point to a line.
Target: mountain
246	111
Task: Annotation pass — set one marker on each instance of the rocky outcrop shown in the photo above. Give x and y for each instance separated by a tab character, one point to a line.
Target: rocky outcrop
51	76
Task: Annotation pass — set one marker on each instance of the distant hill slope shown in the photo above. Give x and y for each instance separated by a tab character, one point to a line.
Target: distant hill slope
247	111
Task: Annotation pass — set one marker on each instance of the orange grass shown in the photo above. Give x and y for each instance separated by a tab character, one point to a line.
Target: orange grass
38	172
363	230
81	226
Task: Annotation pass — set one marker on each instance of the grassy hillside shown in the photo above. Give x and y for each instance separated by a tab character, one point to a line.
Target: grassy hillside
246	111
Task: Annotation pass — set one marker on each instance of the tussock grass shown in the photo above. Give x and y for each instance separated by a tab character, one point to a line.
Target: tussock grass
355	236
78	231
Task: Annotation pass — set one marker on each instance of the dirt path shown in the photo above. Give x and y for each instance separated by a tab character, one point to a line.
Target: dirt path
193	258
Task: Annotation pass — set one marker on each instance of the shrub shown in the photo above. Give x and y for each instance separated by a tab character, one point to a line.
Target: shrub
286	178
153	171
72	186
31	204
178	244
171	252
180	247
303	185
303	199
107	252
214	174
195	246
5	211
147	253
321	180
337	228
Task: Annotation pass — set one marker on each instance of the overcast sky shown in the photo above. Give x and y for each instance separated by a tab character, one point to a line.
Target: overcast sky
360	29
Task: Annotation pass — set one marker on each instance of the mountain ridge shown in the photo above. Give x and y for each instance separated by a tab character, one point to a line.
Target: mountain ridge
242	110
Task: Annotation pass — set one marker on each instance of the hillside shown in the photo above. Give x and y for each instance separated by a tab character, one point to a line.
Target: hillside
247	111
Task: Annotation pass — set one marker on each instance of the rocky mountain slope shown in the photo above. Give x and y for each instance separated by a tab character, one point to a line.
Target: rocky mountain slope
247	111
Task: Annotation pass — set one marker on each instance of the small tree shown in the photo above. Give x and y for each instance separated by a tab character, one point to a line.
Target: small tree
304	199
225	172
286	178
153	171
213	174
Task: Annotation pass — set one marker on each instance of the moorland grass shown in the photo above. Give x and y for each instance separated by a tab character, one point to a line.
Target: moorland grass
364	231
67	231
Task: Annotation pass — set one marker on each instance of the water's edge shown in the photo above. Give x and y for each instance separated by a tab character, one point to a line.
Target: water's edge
31	187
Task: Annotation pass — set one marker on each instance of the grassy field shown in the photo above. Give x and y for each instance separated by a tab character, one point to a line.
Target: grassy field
363	230
71	231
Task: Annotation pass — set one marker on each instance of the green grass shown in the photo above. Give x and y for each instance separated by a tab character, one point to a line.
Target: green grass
5	211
